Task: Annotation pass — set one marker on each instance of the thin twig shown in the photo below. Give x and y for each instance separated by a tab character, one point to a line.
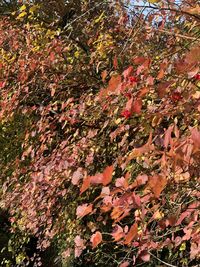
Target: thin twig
167	264
170	9
178	35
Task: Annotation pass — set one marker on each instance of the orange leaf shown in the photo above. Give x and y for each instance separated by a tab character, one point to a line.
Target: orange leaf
85	185
104	75
107	175
96	239
157	184
114	83
131	234
115	62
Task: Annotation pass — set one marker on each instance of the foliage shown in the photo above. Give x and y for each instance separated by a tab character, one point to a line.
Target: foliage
100	139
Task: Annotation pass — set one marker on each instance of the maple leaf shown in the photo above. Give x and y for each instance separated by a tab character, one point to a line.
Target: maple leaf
131	234
96	239
83	210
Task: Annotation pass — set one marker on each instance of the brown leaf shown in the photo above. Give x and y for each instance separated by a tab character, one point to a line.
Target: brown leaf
131	234
96	239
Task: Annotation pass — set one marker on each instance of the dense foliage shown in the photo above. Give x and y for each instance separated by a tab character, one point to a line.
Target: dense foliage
99	131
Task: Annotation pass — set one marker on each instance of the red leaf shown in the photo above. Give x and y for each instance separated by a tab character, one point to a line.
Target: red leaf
126	114
115	62
96	239
131	234
83	210
2	84
128	72
137	106
176	96
107	175
197	76
132	79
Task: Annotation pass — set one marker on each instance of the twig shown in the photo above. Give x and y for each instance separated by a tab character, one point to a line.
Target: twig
167	264
178	35
170	9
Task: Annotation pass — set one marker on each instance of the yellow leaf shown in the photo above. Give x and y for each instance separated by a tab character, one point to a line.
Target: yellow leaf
153	1
183	247
22	8
33	9
99	18
21	15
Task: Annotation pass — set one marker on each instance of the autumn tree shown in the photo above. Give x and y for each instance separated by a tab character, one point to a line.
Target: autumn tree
100	131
